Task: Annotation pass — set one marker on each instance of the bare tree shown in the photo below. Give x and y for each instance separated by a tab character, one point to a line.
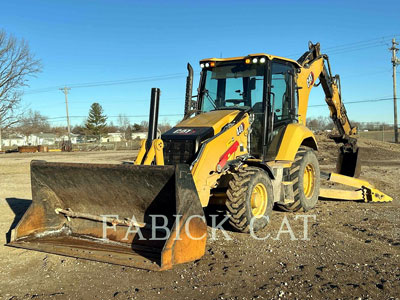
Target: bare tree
111	127
164	126
320	123
123	122
128	133
16	65
125	126
33	122
144	125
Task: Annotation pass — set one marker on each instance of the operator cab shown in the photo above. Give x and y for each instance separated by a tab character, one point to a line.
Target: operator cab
261	84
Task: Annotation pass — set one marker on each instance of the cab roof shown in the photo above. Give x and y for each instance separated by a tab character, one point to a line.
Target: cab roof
269	56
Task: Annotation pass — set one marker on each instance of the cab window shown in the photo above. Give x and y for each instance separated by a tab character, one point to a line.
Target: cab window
281	91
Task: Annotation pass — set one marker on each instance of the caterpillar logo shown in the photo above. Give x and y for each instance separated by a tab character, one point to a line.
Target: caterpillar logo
310	79
184	131
240	129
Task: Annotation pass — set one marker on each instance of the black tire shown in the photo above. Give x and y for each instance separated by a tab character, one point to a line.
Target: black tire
239	202
305	157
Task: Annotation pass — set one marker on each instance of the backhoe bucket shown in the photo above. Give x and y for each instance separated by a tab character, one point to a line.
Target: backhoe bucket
148	217
348	163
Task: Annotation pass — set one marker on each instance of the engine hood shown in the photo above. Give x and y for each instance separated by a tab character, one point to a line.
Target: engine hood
182	142
216	119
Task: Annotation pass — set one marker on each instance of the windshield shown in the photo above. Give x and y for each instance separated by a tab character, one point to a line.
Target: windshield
233	85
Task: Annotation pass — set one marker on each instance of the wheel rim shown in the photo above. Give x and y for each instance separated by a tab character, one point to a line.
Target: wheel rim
259	200
309	180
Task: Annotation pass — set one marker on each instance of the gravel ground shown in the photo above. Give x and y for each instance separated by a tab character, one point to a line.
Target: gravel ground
353	251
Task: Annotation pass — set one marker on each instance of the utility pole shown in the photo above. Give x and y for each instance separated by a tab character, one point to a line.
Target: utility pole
395	62
65	91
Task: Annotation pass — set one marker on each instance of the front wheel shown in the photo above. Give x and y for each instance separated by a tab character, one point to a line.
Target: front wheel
250	199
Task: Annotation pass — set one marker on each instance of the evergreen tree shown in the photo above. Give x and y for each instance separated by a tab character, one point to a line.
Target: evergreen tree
96	122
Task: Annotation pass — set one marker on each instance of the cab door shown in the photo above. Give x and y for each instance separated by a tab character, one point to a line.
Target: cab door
282	105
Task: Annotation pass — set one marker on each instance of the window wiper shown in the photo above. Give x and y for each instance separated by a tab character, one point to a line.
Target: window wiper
209	98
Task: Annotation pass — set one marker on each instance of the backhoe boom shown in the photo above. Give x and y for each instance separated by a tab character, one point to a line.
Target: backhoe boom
313	59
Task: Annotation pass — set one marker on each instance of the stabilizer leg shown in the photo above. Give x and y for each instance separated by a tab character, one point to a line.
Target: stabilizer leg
364	190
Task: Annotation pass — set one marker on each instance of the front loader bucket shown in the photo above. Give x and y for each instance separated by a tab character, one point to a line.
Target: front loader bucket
148	217
348	163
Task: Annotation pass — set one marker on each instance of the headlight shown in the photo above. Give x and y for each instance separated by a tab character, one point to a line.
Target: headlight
262	60
202	66
207	65
255	60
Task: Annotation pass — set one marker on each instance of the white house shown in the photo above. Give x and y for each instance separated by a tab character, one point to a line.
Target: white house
120	136
41	139
140	135
47	139
74	138
112	137
13	141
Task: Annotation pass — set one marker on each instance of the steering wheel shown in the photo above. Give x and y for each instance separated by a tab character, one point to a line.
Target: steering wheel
234	101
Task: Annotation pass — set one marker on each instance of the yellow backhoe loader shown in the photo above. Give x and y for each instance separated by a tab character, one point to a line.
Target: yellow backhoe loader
243	143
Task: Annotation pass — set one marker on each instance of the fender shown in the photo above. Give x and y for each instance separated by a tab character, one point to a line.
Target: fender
295	136
259	164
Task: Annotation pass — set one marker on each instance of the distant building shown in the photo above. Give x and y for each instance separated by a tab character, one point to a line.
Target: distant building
113	137
75	138
140	135
120	136
13	140
51	139
48	139
41	139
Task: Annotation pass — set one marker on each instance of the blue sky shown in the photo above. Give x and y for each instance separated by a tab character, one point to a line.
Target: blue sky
96	41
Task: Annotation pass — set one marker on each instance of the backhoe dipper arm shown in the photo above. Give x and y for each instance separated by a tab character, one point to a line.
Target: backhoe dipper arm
314	63
331	86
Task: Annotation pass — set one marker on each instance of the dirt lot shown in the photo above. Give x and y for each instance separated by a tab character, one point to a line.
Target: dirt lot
353	251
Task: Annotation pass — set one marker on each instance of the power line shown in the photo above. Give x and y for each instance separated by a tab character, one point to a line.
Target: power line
361	42
122	101
354	46
108	101
108	83
359	101
339	49
133	116
355	49
127	81
176	115
363	45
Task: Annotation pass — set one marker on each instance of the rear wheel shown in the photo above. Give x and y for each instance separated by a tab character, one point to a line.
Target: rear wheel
305	175
250	199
